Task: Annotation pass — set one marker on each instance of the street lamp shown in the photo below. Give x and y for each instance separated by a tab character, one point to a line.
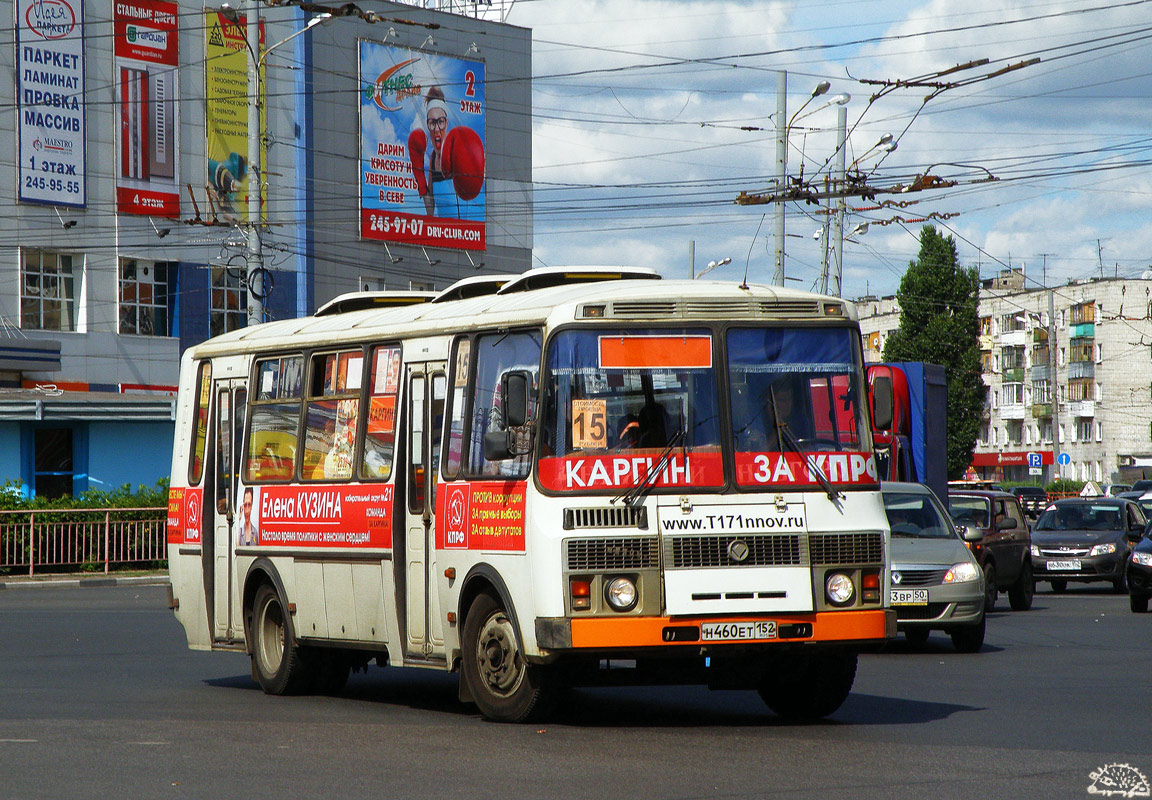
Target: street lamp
713	265
255	271
782	131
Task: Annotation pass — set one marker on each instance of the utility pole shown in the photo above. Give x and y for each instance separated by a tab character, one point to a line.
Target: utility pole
691	259
255	272
841	135
781	172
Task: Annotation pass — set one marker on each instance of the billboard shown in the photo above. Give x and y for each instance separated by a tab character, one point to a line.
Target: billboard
226	114
421	148
147	52
50	127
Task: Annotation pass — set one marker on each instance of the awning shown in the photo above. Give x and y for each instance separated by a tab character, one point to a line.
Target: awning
33	405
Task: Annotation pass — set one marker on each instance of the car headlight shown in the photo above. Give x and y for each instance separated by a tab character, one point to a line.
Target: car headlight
962	572
1102	549
840	589
1141	558
1035	551
621	594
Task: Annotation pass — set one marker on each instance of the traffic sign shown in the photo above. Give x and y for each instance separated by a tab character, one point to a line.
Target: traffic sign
1034	461
1064	459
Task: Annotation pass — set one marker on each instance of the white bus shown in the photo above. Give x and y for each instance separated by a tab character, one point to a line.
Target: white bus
560	478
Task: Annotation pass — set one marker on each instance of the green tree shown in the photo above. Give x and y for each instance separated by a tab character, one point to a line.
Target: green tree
940	324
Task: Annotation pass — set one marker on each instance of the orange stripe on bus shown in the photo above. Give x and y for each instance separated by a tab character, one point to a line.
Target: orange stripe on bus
627	632
653	352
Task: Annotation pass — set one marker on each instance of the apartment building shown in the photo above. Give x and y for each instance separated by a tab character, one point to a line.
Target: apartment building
1069	376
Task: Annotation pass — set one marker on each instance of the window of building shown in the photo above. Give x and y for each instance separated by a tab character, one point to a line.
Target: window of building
54	462
1083	312
144	296
47	290
1085	430
1015	431
1046	432
1041	392
983	435
229	309
986	326
1012	394
1080	389
1012	322
1099	436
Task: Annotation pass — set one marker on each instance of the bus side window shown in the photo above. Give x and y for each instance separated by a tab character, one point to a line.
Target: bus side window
200	420
275	420
454	448
496	355
332	416
380	426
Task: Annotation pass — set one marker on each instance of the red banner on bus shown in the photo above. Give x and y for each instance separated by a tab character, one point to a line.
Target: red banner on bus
791	469
185	507
319	516
624	471
484	515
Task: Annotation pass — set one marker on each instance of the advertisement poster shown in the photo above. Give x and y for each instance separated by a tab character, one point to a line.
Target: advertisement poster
226	114
146	48
185	507
480	515
50	127
421	148
316	516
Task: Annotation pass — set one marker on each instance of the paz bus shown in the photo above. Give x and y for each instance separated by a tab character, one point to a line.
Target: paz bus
565	477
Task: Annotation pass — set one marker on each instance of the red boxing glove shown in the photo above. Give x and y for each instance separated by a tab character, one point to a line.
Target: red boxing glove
417	144
463	161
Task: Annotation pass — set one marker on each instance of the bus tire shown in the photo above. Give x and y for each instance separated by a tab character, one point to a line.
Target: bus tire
808	686
278	663
504	686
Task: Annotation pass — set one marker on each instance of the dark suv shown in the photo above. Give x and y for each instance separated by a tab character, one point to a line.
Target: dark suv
1004	547
1033	499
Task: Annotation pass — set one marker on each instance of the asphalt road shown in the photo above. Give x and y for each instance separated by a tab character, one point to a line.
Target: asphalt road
100	698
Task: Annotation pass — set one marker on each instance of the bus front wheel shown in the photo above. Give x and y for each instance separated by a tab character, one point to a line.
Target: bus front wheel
504	686
810	685
278	663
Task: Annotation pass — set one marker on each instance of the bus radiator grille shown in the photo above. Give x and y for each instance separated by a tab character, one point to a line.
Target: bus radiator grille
595	555
762	550
846	548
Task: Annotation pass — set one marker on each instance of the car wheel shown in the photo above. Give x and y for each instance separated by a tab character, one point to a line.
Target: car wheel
1120	585
1020	595
808	686
504	686
990	592
969	638
1059	586
916	636
1138	603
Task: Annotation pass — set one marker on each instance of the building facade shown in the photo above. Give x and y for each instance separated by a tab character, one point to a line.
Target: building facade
1069	376
127	207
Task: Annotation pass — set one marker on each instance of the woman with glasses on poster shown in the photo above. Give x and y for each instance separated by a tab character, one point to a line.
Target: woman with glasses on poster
457	153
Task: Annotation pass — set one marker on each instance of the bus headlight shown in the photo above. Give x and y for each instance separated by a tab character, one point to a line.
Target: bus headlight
621	594
839	589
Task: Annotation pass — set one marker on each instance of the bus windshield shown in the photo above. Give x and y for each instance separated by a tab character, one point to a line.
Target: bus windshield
615	400
796	392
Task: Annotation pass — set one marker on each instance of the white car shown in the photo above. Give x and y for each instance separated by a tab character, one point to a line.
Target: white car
934	581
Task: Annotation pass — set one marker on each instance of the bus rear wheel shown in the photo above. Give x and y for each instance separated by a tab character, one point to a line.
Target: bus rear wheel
278	663
504	686
808	686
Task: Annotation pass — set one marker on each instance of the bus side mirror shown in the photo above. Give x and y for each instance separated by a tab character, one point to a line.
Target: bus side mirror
880	393
497	445
515	387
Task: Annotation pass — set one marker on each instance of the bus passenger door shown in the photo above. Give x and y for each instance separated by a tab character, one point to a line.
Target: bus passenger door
427	388
228	430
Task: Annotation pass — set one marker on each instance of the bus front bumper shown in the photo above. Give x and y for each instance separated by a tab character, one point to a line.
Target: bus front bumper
870	627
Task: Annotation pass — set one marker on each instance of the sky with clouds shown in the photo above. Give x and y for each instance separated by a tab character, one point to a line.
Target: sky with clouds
651	116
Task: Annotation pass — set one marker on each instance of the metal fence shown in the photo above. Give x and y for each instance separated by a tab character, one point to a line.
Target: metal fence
90	540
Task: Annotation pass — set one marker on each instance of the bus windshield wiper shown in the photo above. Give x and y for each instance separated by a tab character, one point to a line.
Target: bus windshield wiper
635	496
783	434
